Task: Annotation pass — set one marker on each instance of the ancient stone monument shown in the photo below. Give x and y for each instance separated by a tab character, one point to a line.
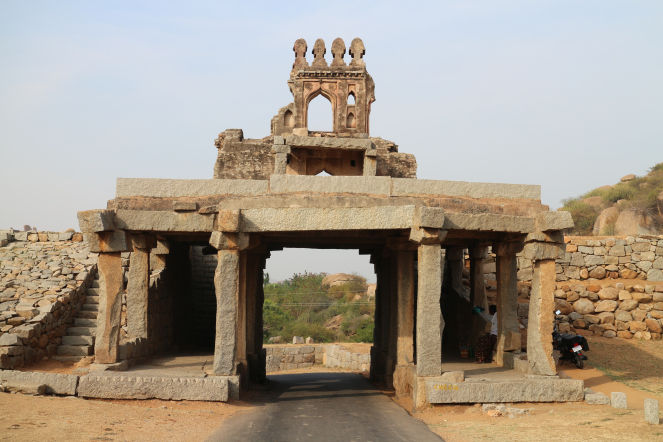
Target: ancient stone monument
265	196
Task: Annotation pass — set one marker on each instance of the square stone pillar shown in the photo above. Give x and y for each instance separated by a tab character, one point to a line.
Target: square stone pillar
508	330
138	288
541	319
227	288
110	307
370	162
542	302
377	356
429	314
403	373
477	291
281	153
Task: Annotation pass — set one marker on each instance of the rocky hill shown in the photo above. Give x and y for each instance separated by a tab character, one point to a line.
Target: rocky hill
633	206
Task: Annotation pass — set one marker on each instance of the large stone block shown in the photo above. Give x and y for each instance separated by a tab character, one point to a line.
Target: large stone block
107	242
409	187
214	388
531	390
166	188
560	220
93	221
488	222
39	383
330	184
330	142
163	221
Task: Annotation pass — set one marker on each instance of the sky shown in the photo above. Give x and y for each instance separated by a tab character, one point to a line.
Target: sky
565	94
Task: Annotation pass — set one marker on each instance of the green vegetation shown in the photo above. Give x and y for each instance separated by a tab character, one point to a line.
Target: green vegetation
640	194
302	306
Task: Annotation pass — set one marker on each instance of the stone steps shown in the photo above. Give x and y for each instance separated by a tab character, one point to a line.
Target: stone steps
79	340
74	350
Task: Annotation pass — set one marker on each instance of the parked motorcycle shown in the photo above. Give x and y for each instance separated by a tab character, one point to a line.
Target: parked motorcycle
570	346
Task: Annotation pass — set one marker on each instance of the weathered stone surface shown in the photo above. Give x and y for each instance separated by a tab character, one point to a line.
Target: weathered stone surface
597	399
185	206
114	241
162	221
214	388
167	188
330	184
583	306
488	222
618	400
137	294
559	220
429	316
226	284
610	293
8	339
651	411
605	306
93	221
531	390
539	251
540	320
110	306
406	186
329	142
297	219
39	383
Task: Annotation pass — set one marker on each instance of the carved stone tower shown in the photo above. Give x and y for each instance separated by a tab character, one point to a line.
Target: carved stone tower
348	87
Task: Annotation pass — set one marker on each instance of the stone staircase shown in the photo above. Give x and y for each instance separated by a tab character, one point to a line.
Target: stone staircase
79	340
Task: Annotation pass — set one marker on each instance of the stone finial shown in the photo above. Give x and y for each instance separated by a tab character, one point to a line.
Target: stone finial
357	51
338	51
299	49
319	51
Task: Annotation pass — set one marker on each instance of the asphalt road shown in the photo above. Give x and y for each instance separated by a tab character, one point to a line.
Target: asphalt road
323	407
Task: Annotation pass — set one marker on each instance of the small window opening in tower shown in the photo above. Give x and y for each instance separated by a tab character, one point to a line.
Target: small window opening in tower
320	115
351	99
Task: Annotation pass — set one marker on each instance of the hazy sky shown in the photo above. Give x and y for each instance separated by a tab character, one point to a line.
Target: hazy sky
566	94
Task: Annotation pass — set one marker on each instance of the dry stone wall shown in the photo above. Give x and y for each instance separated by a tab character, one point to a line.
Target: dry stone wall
293	357
43	281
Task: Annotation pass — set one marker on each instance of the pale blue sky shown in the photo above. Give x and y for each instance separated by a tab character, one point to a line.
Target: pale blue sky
566	94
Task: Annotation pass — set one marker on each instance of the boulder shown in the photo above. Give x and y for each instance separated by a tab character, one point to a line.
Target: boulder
606	306
597	272
605	221
633	222
622	315
653	325
628	305
583	306
610	293
626	178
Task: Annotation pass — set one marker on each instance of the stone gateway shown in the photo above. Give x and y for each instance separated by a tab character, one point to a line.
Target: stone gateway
198	247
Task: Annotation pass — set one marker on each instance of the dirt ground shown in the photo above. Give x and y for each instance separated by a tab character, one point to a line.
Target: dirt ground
28	418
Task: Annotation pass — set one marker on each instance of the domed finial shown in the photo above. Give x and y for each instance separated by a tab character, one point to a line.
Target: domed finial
357	51
338	51
300	53
319	51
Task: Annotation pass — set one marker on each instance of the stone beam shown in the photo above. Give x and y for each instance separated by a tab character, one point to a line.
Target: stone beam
414	187
560	220
508	330
307	219
107	242
329	142
167	188
163	221
94	221
488	222
330	184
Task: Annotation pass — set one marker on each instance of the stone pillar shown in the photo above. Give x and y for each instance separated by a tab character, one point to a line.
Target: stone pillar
370	162
391	264
477	291
455	259
377	359
138	287
110	307
405	323
508	330
281	152
227	288
429	315
542	250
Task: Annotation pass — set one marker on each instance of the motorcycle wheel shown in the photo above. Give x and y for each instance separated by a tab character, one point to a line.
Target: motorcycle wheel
577	359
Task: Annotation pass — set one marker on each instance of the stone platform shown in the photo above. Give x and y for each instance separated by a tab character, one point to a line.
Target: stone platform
488	383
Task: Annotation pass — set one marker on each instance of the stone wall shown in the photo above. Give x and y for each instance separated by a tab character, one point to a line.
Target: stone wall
293	357
43	282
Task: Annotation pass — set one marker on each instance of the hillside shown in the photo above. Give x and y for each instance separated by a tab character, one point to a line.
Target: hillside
328	308
634	206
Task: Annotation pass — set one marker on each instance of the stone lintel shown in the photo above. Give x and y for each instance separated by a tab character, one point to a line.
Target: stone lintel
185	206
294	219
94	221
553	236
371	185
107	242
488	222
163	221
560	220
439	391
329	142
413	186
173	188
227	220
538	251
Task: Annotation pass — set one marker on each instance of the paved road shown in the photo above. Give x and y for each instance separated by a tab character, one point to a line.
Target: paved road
323	407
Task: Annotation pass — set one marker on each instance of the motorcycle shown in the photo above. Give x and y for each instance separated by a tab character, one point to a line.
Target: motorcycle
570	346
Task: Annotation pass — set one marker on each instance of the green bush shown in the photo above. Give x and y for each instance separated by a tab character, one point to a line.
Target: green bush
583	216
